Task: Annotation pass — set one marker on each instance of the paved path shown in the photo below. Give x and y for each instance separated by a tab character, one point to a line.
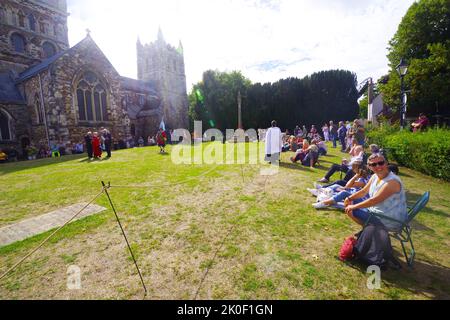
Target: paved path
31	227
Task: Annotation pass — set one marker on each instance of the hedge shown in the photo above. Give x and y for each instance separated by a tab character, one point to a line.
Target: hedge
427	152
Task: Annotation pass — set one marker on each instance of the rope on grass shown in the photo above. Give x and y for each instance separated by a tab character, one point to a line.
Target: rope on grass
213	259
224	240
50	236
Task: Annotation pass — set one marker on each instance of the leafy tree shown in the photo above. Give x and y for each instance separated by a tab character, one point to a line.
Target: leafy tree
422	39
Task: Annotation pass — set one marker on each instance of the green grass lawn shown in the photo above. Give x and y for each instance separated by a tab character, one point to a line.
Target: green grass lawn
254	237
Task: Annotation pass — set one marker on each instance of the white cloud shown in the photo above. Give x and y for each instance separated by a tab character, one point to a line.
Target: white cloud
298	37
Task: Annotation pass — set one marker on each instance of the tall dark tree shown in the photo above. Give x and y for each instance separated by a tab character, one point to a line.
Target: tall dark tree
316	99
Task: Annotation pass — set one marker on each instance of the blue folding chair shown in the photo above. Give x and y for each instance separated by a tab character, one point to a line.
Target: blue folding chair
403	234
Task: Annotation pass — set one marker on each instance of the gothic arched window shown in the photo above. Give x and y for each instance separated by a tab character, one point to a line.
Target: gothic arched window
5	126
32	22
91	98
18	42
43	27
39	110
49	49
13	18
21	17
2	15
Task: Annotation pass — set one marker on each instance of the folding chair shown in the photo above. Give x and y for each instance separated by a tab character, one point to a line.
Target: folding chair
403	234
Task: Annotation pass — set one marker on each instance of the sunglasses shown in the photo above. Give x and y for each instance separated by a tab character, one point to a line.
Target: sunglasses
374	164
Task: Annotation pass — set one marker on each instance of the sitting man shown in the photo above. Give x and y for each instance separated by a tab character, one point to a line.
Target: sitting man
308	155
322	147
345	166
300	154
386	197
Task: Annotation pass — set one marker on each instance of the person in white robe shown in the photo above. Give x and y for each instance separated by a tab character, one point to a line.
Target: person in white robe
274	143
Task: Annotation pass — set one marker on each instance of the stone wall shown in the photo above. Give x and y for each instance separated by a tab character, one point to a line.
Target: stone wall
20	127
58	84
50	26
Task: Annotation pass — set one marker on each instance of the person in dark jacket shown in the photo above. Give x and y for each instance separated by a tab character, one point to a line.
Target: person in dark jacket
333	133
342	134
88	141
107	138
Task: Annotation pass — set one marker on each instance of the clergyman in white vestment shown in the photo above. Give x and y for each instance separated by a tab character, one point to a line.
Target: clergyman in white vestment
274	143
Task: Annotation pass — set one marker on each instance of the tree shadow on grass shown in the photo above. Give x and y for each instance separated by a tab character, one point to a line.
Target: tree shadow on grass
32	164
430	279
299	166
292	166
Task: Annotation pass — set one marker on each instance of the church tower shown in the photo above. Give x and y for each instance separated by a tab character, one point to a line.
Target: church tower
163	66
31	31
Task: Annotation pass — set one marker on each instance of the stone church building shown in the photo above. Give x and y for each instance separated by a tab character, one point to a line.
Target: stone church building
51	94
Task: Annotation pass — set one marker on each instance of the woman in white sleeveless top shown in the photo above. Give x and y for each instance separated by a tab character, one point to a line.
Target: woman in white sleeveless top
386	197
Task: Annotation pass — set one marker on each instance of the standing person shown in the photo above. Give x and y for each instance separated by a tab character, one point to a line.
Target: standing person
349	135
102	139
342	134
333	133
96	146
300	132
274	143
304	132
326	132
88	141
108	142
169	136
161	138
313	131
359	132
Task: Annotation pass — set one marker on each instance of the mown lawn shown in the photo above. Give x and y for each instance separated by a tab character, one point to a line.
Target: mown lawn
205	232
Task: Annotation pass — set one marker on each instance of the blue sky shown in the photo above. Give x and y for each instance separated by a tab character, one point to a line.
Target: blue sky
266	39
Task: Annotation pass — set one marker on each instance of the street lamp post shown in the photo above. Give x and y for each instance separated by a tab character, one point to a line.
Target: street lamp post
402	69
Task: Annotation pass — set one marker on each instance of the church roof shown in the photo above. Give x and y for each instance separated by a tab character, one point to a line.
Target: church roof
8	90
31	72
138	85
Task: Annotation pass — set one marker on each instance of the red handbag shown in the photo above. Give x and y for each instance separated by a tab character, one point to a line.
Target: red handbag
346	252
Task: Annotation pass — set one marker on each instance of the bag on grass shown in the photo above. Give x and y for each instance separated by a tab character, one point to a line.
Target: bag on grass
373	247
346	252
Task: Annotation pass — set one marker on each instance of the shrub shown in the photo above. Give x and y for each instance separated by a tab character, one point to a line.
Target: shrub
427	152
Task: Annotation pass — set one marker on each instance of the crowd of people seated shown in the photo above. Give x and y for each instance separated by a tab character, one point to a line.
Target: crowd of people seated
367	183
370	185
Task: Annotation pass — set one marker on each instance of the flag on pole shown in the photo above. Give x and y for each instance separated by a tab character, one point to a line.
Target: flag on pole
162	125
